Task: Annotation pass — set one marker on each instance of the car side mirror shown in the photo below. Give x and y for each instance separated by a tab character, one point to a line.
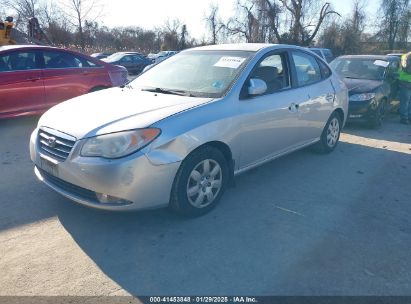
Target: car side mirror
257	87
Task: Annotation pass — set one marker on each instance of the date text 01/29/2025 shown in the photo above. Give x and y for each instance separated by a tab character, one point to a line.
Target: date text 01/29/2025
201	299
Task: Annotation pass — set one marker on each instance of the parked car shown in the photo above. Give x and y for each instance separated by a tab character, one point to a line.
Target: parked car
179	133
155	62
372	83
396	54
325	54
157	58
134	62
35	78
101	55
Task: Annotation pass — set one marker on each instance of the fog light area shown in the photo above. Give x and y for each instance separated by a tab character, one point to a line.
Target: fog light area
111	200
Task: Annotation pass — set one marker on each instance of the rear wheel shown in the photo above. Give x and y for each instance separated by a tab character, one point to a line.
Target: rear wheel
331	134
200	182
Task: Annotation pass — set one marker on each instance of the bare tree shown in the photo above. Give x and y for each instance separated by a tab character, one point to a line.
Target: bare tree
24	10
391	15
282	21
214	23
346	37
79	11
306	18
245	23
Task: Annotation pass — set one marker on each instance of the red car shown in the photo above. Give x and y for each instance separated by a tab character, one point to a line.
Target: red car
34	78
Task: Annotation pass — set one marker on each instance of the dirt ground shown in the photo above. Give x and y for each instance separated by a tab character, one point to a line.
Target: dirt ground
305	224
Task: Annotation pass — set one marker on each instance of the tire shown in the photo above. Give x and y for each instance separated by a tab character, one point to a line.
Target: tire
376	121
200	182
330	135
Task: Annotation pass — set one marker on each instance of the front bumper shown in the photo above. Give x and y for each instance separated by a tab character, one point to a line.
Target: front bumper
362	110
133	179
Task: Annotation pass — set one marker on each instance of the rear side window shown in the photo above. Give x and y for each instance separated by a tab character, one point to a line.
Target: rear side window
63	60
18	61
307	69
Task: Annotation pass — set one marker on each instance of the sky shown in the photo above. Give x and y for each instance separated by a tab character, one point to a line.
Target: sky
151	13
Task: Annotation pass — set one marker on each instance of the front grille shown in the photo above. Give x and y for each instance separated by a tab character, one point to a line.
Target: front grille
70	188
55	146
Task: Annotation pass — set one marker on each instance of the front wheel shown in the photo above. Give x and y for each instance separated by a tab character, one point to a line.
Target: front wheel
377	120
330	135
200	182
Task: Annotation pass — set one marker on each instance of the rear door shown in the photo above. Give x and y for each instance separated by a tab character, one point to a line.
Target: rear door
21	83
315	95
65	76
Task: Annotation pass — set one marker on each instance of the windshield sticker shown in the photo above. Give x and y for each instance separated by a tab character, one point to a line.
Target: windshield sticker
229	62
218	84
381	63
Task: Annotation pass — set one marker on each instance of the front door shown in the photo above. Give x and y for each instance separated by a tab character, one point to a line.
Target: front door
270	123
21	84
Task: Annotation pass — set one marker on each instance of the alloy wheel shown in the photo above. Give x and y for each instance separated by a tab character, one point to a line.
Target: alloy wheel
333	132
204	183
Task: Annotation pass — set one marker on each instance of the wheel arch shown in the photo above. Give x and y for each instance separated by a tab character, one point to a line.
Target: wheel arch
224	149
341	114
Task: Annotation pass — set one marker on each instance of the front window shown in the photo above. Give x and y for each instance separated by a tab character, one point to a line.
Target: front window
195	73
359	68
18	61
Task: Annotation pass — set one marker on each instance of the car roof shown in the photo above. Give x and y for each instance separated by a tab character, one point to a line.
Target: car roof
319	49
127	53
376	57
247	47
23	46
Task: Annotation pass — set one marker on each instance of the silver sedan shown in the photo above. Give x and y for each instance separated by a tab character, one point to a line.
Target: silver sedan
178	134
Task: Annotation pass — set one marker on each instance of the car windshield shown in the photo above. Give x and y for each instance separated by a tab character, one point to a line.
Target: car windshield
360	68
195	73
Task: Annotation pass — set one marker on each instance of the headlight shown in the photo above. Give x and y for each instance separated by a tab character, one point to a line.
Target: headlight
362	97
120	144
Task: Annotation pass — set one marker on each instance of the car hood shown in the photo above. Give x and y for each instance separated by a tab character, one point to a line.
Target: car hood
114	110
359	86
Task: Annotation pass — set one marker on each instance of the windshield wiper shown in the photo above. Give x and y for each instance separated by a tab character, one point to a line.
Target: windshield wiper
167	91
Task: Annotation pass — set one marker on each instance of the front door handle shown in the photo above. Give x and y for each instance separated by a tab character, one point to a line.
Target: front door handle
33	79
294	107
330	97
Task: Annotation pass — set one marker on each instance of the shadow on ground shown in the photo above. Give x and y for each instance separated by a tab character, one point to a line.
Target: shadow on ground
304	224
